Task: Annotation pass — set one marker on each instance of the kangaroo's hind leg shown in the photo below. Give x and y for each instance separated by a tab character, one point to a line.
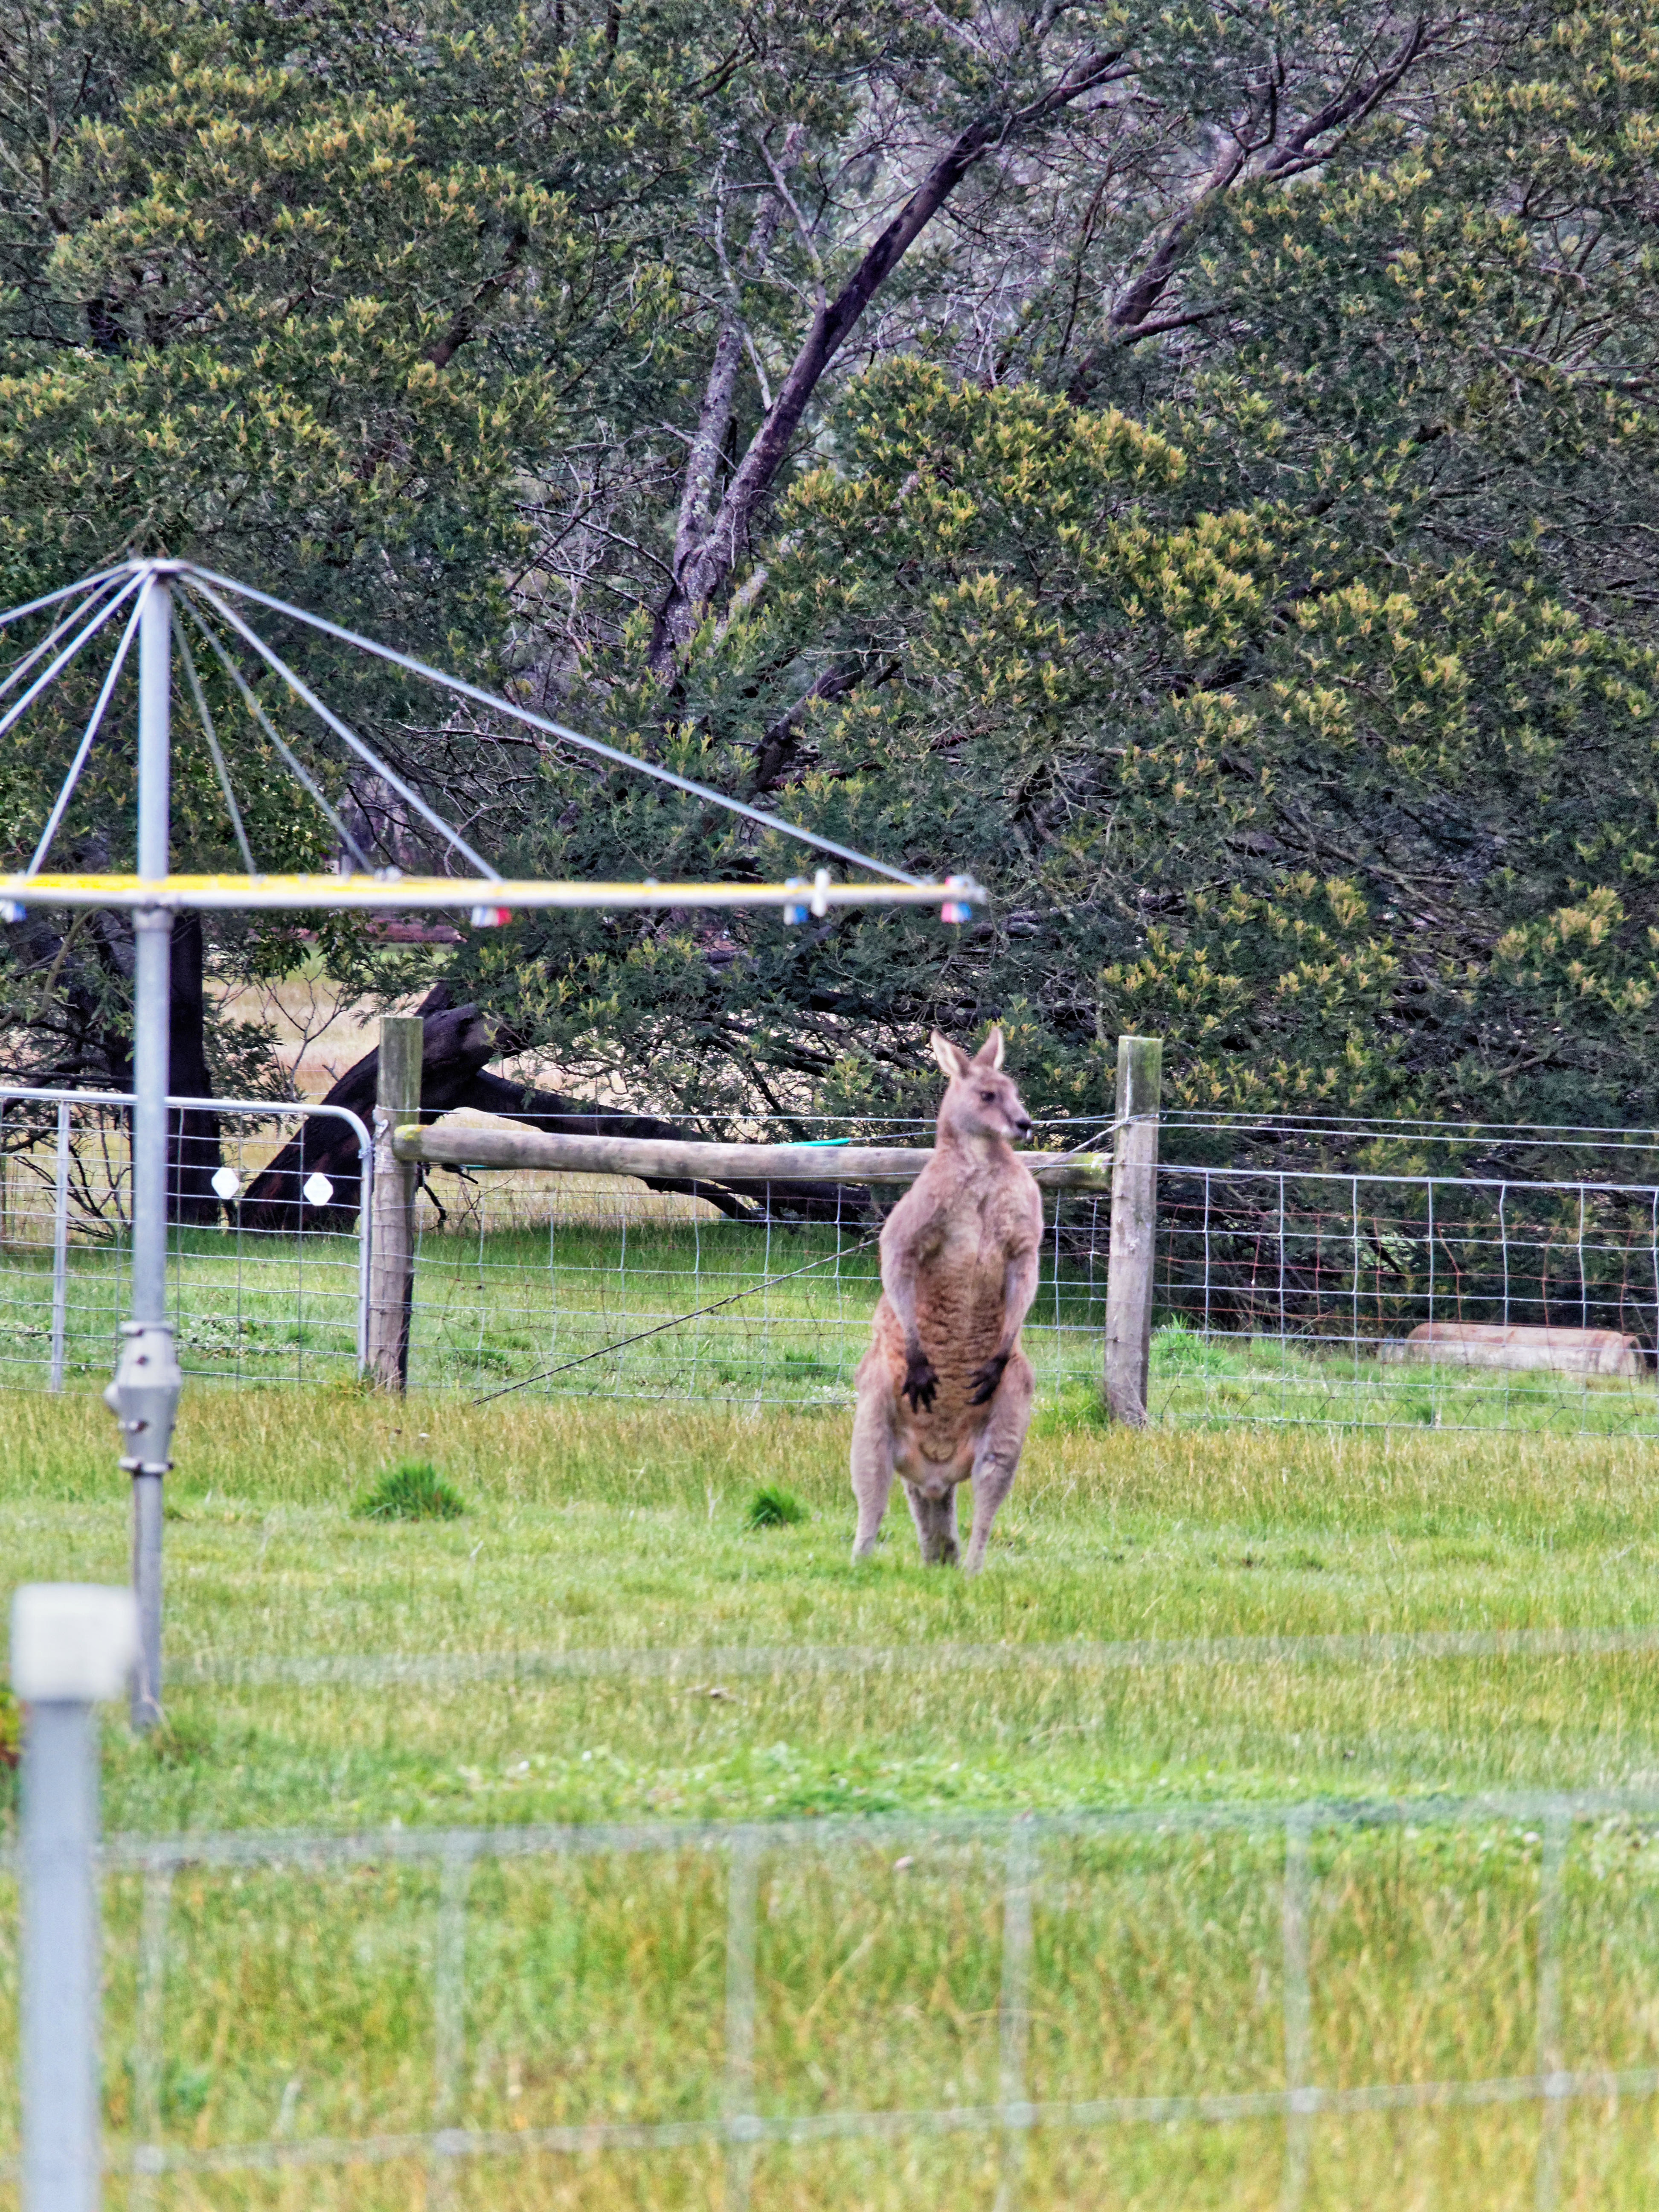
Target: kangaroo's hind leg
936	1526
873	1457
996	1461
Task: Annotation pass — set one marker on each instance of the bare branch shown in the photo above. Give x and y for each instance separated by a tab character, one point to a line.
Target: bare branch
703	574
1291	157
702	460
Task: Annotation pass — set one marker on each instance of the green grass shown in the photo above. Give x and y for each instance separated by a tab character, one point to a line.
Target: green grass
773	1507
1219	1382
628	1526
415	1490
598	1985
254	1309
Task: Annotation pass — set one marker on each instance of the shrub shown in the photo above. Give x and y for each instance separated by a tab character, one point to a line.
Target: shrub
772	1508
414	1492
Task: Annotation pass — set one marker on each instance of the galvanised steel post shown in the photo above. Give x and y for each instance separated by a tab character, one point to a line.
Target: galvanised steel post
60	1959
60	1245
144	1395
71	1644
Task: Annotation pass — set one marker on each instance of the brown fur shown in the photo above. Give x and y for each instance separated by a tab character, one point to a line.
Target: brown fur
944	1390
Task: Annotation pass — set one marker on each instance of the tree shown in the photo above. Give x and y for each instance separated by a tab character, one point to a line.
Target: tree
1210	801
890	182
1298	707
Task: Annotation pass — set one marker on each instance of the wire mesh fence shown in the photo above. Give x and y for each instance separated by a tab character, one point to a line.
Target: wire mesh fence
269	1297
1380	1296
834	2010
1286	1291
1294	1262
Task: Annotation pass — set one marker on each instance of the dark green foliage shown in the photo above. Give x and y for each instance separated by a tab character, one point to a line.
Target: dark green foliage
414	1492
228	277
1371	842
774	1508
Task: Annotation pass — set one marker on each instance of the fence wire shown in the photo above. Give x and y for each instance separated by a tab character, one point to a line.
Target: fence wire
1284	1292
706	1662
434	1998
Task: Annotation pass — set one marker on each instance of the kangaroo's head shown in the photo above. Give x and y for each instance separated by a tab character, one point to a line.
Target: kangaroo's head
980	1100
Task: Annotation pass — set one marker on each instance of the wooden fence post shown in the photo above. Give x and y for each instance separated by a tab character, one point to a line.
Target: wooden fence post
1134	1229
392	1228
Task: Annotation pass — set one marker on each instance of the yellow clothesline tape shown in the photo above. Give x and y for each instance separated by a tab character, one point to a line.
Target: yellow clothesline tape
486	896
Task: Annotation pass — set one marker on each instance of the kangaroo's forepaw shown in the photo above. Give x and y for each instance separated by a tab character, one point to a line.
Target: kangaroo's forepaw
986	1378
920	1384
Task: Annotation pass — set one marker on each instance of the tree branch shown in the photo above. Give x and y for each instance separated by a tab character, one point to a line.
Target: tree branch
776	752
1156	330
714	559
1128	320
466	321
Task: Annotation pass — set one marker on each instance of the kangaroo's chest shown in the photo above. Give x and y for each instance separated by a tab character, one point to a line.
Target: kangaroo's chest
971	1239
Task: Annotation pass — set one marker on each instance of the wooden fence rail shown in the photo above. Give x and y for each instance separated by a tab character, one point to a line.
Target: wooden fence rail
459	1146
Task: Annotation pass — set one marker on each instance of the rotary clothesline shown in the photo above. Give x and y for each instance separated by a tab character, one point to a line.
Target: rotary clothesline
202	595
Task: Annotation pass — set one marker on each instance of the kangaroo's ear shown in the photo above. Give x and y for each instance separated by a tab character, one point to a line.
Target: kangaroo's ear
991	1049
950	1057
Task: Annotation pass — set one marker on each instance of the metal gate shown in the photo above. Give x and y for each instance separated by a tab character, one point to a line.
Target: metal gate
249	1304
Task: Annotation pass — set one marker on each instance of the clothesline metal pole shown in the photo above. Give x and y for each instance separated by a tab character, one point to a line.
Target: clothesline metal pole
144	1395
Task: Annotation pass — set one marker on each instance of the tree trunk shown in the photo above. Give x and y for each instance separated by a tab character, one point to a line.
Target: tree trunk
456	1043
193	1154
87	1046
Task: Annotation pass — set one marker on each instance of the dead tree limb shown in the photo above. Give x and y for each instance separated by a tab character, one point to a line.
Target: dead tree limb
704	568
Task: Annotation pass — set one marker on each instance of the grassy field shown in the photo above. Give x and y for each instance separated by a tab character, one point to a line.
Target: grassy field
299	2004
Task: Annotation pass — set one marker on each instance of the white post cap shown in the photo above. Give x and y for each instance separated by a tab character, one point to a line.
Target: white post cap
72	1641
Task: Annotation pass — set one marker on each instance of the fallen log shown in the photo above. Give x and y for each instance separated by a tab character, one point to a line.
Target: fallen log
1488	1343
456	1043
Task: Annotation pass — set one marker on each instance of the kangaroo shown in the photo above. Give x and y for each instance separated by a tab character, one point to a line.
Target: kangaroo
944	1390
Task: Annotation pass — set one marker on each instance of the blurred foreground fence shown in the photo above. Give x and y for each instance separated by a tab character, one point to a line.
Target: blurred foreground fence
760	2012
1291	1258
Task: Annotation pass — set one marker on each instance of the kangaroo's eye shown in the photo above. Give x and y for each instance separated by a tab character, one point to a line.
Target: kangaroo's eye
989	1097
